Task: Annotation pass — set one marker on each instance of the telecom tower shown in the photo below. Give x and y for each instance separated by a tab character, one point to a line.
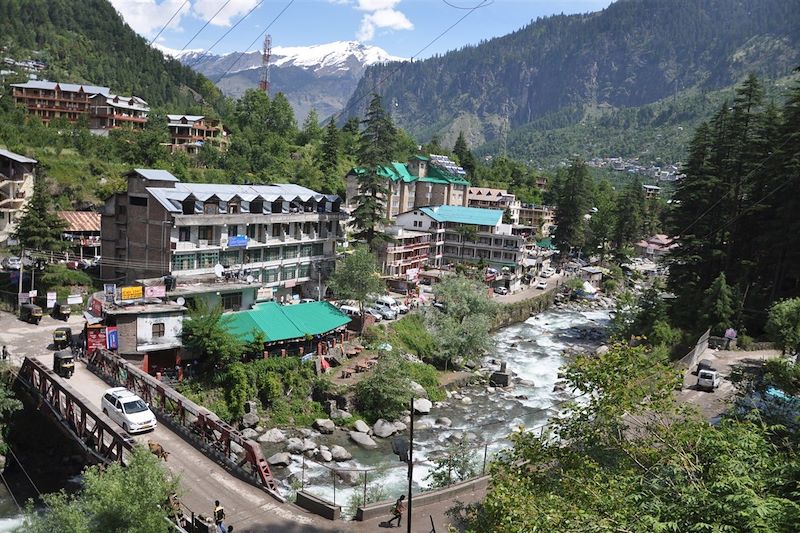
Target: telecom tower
263	85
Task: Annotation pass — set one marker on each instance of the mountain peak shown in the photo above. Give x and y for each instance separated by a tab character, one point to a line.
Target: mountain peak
336	55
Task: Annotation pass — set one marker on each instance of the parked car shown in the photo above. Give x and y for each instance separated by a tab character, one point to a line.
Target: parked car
12	263
500	290
547	272
708	380
350	311
392	304
307	300
542	284
704	364
128	410
374	312
387	312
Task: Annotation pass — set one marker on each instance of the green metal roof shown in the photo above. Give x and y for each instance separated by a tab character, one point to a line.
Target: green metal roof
421	157
436	173
547	244
399	172
285	322
464	215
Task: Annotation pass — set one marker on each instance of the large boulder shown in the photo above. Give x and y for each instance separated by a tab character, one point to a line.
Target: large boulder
273	435
444	422
400	426
363	440
294	445
236	448
309	445
324	425
361	426
251	407
601	350
418	390
350	477
466	400
280	459
339	453
250	420
325	456
340	414
383	428
422	406
249	433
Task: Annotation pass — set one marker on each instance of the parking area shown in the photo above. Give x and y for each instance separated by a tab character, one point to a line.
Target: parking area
29	340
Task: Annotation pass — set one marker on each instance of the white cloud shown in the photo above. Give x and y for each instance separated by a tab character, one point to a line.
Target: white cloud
382	18
147	17
376	5
205	9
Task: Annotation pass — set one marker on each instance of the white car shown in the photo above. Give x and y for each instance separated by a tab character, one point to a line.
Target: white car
12	263
547	272
375	313
500	291
542	284
128	410
708	380
385	310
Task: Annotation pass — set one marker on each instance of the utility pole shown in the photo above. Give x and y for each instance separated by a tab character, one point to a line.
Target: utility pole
410	463
266	54
21	271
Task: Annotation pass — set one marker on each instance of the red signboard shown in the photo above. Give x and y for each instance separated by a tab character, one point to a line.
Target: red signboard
155	291
97	307
95	338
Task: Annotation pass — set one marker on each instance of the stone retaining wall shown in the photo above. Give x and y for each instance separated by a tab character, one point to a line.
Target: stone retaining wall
521	311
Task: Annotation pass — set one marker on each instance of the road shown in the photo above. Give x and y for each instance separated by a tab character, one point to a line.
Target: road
530	291
202	481
713	404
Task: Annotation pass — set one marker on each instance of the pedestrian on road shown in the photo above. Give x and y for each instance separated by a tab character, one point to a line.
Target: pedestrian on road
5	352
230	529
398	510
219	516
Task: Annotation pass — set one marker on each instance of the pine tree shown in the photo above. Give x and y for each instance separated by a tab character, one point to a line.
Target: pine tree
718	308
629	214
280	117
603	221
573	200
465	157
311	131
376	146
39	228
330	148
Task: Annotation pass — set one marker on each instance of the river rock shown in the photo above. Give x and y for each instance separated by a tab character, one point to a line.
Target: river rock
383	428
422	426
325	456
249	433
601	350
236	448
418	390
250	420
444	422
324	425
559	386
361	426
340	414
350	477
400	426
294	445
280	459
251	407
259	429
273	435
422	406
309	445
339	453
305	432
466	400
363	440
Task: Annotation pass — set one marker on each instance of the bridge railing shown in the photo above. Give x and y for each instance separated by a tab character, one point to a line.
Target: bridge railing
194	423
99	437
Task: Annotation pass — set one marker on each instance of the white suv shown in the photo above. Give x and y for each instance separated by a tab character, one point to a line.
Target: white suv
128	410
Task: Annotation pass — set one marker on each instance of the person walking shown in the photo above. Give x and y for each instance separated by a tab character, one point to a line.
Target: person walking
5	353
219	516
397	511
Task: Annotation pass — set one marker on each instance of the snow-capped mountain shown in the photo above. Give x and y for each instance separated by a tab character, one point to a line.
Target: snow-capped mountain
321	76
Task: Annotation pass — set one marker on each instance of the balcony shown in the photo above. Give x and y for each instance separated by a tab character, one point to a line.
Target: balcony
256	218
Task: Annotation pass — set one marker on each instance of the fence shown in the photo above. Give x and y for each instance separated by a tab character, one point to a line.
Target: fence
195	424
690	359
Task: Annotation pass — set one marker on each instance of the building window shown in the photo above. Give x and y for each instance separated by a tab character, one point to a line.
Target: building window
211	208
138	200
205	233
251	230
230	258
304	270
276	230
288	272
158	329
232	301
270	275
183	262
306	250
184	234
233	208
290	252
318	249
233	230
252	256
209	259
272	254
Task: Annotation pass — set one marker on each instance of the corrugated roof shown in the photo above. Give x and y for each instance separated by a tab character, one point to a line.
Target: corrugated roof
464	215
79	221
171	198
286	322
16	157
189	118
155	174
65	87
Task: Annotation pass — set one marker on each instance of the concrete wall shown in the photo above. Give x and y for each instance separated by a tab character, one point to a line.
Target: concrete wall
382	509
318	506
173	327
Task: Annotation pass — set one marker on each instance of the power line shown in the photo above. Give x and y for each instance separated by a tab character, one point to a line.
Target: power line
400	65
168	22
8	488
208	50
24	471
260	35
206	24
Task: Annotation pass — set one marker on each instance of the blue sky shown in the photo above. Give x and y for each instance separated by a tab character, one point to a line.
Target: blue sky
401	27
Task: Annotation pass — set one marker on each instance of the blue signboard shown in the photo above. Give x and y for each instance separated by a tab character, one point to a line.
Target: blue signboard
237	240
112	338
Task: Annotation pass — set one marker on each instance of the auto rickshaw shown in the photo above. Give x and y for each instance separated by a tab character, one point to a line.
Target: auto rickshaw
62	311
30	313
64	364
62	337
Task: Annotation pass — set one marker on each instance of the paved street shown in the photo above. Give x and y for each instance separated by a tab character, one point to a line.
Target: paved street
530	291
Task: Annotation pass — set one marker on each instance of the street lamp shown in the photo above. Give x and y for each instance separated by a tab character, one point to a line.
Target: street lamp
405	451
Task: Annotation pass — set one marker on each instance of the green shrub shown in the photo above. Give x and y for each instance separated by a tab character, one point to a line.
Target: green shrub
783	375
386	392
427	376
745	342
410	333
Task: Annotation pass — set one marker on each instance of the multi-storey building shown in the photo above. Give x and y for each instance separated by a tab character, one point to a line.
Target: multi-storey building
486	198
406	254
539	217
189	133
433	180
82	229
109	111
49	100
651	192
280	238
468	234
16	186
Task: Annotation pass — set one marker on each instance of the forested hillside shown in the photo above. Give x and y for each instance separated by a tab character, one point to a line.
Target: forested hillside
87	41
631	54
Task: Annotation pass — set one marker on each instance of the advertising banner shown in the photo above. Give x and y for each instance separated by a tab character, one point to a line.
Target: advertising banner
51	300
23	297
97	307
112	338
33	293
156	291
95	338
74	299
110	290
237	240
131	293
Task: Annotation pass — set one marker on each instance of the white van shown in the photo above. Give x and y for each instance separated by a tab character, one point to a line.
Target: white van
391	303
349	310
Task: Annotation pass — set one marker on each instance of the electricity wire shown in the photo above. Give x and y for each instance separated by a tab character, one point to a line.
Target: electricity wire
164	27
208	50
205	25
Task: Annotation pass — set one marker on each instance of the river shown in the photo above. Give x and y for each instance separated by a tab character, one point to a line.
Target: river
532	350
